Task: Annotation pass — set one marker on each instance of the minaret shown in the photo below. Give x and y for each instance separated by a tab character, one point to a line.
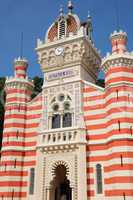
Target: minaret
118	68
18	93
118	65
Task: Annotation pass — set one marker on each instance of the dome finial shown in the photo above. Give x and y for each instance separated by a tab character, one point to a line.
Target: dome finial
70	6
89	16
61	10
90	28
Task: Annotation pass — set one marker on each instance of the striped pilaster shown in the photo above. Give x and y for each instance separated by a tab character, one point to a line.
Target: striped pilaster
95	122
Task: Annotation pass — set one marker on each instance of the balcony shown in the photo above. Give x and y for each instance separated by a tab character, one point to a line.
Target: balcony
61	137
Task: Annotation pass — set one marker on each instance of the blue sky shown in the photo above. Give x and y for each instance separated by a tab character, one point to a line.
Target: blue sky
33	17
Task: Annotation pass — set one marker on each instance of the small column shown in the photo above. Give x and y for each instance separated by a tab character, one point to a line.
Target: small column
48	193
50	122
72	192
72	119
50	116
61	120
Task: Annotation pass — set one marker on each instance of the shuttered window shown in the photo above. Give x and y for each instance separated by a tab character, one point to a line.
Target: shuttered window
67	120
32	179
62	29
56	121
99	179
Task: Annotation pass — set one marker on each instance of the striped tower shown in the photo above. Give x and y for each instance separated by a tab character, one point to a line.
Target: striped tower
108	115
13	175
118	166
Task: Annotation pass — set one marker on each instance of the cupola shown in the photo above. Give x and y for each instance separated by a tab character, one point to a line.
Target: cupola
118	41
20	67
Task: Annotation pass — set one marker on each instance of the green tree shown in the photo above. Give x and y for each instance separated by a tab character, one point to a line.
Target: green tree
38	82
100	82
2	111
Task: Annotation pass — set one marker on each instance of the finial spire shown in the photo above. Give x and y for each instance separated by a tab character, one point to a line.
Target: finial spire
117	15
21	45
89	16
70	6
61	11
90	28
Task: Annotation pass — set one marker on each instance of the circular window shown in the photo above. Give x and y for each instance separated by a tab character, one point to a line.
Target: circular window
61	97
56	107
66	106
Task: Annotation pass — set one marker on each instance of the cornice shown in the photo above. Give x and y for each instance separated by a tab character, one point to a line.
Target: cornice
19	82
94	86
117	59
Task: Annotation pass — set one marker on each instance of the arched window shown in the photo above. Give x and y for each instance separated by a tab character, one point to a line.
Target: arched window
61	112
56	121
62	29
67	120
99	179
66	106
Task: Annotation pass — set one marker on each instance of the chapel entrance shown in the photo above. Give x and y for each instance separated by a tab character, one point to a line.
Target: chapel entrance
60	186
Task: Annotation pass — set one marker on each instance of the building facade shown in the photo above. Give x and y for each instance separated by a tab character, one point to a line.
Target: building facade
74	141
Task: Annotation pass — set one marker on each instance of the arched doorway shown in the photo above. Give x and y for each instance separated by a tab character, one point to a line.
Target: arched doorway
60	186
